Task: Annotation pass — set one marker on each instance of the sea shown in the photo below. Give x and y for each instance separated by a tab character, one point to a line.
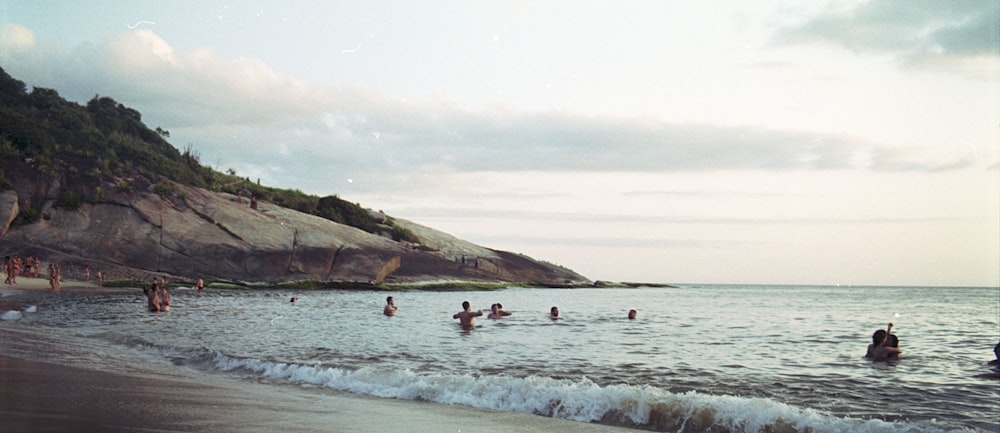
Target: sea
698	358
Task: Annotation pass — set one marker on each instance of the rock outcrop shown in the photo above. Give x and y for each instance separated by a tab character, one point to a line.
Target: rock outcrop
8	210
197	233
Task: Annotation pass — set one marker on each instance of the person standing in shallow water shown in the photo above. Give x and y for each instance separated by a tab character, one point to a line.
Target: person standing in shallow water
466	316
390	307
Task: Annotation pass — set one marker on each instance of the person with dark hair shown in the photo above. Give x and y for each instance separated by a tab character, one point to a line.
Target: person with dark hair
466	316
554	313
497	312
631	314
877	338
882	348
996	353
390	307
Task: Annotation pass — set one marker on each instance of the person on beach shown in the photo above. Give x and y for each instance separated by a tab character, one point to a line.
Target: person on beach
52	276
554	313
14	269
884	349
497	312
28	263
466	315
86	273
631	314
7	268
390	307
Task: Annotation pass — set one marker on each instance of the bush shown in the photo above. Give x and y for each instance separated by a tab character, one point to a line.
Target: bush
400	234
29	215
70	200
7	149
164	188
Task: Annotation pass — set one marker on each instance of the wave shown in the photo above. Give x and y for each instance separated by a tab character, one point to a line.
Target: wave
642	407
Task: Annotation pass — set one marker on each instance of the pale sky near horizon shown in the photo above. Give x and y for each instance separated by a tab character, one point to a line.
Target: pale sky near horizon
771	142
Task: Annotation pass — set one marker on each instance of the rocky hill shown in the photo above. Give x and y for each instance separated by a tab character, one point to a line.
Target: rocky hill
93	186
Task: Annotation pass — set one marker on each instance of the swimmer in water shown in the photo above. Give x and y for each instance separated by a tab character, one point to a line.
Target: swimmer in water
466	316
631	314
497	312
884	350
390	307
554	313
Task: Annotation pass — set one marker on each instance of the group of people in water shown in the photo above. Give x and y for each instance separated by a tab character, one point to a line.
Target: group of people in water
157	295
467	316
884	346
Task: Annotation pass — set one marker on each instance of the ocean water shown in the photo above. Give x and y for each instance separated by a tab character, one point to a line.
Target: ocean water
697	359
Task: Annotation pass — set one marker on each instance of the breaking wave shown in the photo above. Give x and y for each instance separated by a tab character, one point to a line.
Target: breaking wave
582	400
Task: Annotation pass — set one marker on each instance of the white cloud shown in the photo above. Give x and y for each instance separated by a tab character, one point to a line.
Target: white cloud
184	89
230	106
15	39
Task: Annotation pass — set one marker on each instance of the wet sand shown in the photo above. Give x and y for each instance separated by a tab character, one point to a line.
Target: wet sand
41	397
27	283
41	284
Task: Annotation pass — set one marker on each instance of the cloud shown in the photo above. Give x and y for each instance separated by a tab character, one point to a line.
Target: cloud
958	36
15	39
185	89
241	113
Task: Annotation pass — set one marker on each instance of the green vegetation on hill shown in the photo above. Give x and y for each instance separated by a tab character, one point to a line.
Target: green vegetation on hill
43	136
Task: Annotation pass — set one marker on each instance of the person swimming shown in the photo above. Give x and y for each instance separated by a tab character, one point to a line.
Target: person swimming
497	312
390	307
466	316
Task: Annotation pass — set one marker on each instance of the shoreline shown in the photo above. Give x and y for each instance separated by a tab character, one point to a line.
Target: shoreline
43	397
28	284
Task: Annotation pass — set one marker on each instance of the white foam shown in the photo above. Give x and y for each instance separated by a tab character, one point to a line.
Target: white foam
11	315
579	400
31	309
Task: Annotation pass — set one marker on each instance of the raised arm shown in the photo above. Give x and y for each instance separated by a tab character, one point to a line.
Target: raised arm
888	331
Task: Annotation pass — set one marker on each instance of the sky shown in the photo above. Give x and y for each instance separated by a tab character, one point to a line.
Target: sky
765	142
